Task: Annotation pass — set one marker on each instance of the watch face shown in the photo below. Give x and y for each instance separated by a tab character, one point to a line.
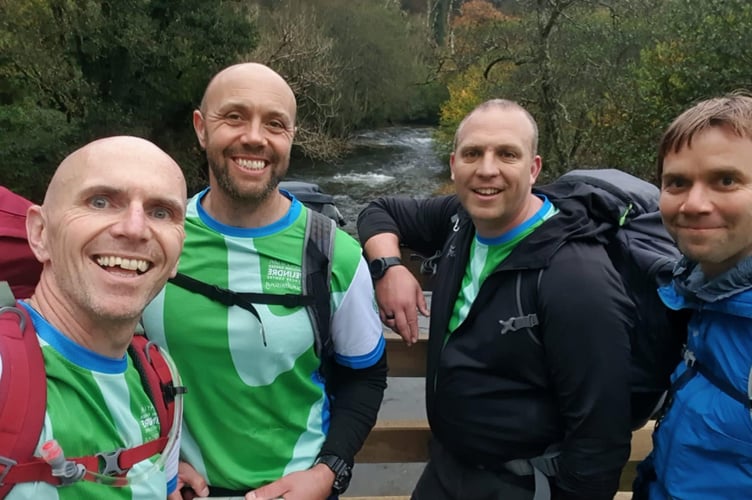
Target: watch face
377	268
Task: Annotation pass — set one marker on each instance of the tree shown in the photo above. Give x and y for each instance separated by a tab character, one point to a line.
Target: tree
352	64
699	51
88	68
563	60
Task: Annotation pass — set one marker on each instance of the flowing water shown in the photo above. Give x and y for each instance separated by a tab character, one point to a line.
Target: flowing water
388	161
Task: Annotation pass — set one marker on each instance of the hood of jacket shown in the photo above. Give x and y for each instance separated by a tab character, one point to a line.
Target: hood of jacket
730	292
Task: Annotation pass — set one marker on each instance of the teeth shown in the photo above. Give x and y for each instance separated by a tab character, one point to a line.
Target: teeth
250	164
487	191
127	264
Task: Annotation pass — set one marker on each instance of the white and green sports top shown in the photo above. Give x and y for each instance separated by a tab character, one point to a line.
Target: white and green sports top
485	256
95	404
256	412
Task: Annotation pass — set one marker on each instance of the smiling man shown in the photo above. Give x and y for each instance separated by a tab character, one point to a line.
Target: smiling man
108	235
261	415
496	395
703	444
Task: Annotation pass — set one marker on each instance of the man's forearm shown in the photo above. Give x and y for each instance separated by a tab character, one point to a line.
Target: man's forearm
355	405
382	245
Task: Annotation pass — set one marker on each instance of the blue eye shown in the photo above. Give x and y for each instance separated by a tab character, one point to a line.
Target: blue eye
161	213
99	202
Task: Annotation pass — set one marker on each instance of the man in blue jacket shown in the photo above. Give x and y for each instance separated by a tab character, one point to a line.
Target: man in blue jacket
703	443
500	388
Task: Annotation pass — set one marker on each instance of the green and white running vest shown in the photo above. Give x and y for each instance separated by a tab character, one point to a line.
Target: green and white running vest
95	404
256	407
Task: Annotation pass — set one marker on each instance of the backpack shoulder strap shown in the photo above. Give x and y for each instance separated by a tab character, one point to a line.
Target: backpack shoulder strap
157	379
526	298
527	290
316	274
21	424
23	387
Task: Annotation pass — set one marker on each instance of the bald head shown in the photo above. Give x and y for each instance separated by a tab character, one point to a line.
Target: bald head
248	75
114	159
504	105
109	235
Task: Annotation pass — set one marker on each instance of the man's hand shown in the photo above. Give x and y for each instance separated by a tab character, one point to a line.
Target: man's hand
400	298
312	484
190	483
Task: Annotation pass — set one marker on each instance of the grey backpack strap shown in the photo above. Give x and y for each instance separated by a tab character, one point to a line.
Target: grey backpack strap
546	465
6	295
316	274
527	318
541	468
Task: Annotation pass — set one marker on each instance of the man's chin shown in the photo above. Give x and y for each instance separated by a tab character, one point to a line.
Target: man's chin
122	311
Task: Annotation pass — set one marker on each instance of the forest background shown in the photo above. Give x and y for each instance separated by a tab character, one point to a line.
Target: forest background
602	77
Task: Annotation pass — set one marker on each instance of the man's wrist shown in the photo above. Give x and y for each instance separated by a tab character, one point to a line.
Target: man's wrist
340	469
380	265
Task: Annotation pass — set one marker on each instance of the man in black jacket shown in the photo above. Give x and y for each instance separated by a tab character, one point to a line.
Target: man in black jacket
529	335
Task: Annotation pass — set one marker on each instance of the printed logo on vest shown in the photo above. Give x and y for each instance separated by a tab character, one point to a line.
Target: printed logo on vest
149	422
282	276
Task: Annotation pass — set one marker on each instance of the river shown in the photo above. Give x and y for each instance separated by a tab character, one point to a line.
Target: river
387	161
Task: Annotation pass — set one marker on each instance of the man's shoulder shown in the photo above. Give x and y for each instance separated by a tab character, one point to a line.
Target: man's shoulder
581	261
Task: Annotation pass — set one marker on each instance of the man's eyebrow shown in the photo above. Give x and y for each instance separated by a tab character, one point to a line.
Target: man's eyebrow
242	106
101	189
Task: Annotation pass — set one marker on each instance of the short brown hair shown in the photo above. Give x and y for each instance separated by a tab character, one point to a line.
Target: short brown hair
733	111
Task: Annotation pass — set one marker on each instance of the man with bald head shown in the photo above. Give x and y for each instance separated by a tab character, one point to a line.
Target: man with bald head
108	236
260	416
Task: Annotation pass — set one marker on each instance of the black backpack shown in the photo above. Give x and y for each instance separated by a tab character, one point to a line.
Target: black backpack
625	209
313	197
644	254
316	272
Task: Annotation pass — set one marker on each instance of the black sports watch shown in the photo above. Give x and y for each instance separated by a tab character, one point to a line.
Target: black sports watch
379	266
342	472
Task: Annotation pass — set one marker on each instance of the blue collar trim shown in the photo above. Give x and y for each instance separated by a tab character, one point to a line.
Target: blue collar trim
73	352
250	232
545	211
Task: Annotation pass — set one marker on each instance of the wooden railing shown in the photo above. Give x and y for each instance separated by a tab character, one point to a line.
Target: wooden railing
406	441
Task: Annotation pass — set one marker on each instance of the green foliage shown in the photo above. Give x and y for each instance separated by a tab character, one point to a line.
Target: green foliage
85	69
566	61
353	64
701	51
34	139
466	91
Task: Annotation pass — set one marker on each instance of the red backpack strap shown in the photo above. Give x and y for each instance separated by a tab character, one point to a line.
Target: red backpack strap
157	379
23	390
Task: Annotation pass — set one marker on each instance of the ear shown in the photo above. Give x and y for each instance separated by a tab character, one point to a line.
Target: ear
36	232
535	168
451	164
199	127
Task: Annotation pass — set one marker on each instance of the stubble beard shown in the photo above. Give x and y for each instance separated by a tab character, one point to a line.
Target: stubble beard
231	190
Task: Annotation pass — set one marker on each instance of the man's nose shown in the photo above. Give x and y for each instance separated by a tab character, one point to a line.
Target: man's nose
698	200
253	132
133	222
488	164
